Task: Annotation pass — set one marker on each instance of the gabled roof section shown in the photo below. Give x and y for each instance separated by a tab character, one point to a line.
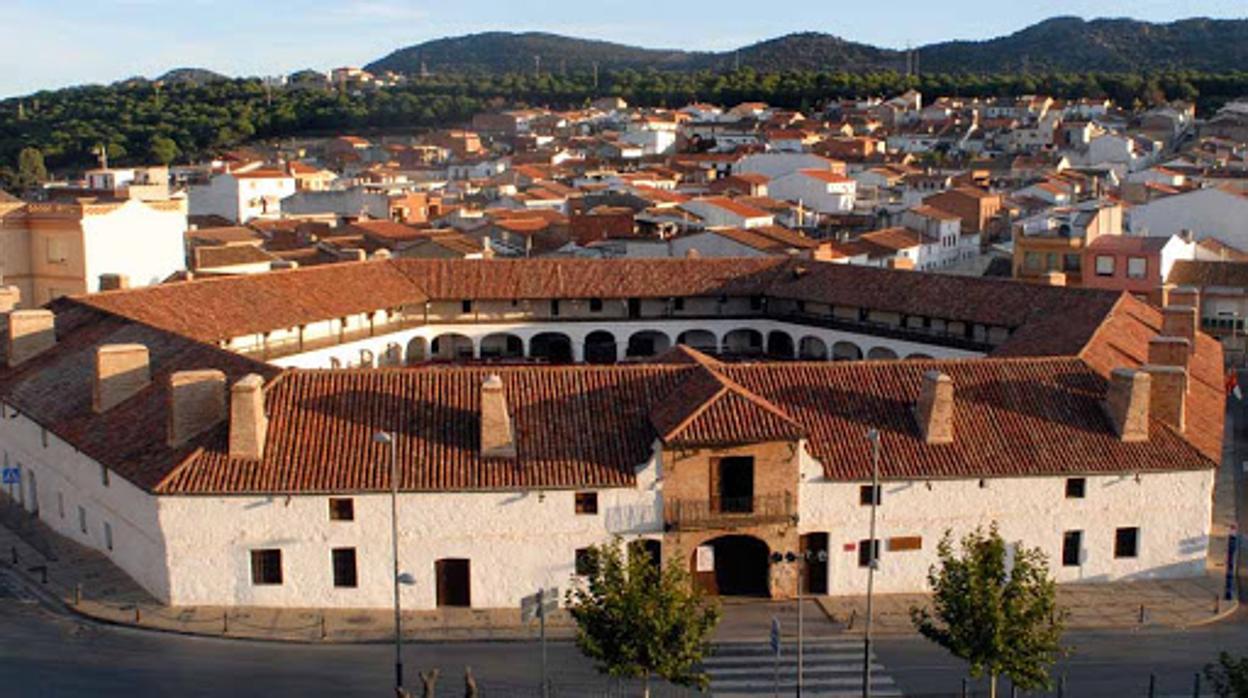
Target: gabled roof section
709	409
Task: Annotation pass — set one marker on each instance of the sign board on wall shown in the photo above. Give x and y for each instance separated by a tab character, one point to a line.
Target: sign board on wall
12	476
705	558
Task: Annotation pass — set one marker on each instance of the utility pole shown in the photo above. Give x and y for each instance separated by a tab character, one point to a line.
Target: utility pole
872	548
386	438
595	75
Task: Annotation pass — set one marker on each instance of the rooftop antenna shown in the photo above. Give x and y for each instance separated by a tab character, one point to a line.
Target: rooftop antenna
102	154
537	66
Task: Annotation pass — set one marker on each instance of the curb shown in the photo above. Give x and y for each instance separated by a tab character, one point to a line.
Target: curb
1217	618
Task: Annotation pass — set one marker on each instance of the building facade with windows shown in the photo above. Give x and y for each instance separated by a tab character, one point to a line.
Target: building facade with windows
1086	423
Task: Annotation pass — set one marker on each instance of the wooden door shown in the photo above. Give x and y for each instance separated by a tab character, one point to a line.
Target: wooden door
454	582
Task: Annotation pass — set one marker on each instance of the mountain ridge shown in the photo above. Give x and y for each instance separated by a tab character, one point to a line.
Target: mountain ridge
1063	43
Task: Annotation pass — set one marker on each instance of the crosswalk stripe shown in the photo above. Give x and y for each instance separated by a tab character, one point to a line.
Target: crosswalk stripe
830	668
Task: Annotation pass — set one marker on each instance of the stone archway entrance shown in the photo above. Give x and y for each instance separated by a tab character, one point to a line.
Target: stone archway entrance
740	567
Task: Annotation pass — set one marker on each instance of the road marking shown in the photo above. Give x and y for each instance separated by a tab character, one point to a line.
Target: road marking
830	668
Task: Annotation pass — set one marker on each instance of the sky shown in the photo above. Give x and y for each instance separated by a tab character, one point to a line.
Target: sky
45	44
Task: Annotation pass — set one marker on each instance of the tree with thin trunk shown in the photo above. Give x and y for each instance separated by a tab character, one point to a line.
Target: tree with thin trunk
1002	618
1229	677
638	619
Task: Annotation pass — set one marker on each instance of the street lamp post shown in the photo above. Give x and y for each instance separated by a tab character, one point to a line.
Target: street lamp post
386	438
874	437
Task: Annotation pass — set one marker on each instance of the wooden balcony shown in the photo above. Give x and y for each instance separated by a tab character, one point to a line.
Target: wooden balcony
728	512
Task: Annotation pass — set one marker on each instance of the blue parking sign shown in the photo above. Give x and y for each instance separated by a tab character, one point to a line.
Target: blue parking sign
12	476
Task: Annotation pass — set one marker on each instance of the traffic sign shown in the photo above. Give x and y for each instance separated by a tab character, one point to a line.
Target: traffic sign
539	604
11	476
775	635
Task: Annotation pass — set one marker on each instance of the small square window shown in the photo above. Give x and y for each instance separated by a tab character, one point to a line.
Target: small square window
1072	548
756	302
587	502
865	495
866	549
1104	265
586	561
554	307
1137	267
341	509
678	304
344	568
104	475
1076	487
266	567
465	307
595	305
1127	542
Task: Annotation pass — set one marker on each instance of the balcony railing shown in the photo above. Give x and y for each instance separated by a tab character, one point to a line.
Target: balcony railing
726	512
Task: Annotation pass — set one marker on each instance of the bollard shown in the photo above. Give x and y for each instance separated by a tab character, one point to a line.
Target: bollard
1141	614
853	615
225	622
138	615
1152	685
323	633
1217	604
1196	686
78	594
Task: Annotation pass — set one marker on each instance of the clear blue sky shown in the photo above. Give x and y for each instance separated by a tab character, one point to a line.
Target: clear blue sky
53	43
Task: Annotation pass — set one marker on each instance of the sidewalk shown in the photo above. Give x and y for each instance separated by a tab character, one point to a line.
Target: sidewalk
1171	603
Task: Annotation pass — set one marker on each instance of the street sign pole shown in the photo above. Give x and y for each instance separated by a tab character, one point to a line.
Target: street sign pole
800	576
1232	549
541	615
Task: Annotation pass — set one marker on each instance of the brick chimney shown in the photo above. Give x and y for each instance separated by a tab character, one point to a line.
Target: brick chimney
935	408
1185	295
1127	403
114	282
498	439
1169	351
31	332
121	370
249	425
1161	296
1168	395
1053	278
1180	321
196	403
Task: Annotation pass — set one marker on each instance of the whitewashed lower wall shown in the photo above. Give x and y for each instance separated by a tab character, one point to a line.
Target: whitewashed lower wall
66	479
1172	510
348	354
515	541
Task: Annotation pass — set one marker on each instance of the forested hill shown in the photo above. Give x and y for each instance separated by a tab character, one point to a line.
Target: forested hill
1059	44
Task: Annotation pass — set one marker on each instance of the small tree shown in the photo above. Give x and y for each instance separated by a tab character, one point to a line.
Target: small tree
31	172
637	620
1003	620
1229	677
162	149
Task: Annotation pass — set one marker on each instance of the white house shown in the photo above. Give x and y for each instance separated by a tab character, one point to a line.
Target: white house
820	190
723	212
775	165
1206	212
242	196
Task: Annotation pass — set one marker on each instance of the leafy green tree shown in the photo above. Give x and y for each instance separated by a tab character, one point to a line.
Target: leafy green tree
1002	619
31	172
637	620
162	149
1229	677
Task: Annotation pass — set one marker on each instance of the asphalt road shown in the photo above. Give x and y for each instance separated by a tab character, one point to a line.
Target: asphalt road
45	654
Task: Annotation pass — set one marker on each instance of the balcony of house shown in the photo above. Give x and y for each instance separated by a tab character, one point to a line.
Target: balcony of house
728	512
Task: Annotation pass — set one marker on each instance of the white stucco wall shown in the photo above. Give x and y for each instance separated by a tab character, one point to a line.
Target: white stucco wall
144	243
348	354
66	479
1172	510
516	542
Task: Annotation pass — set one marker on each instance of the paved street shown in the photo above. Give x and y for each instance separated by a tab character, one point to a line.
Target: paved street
46	655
